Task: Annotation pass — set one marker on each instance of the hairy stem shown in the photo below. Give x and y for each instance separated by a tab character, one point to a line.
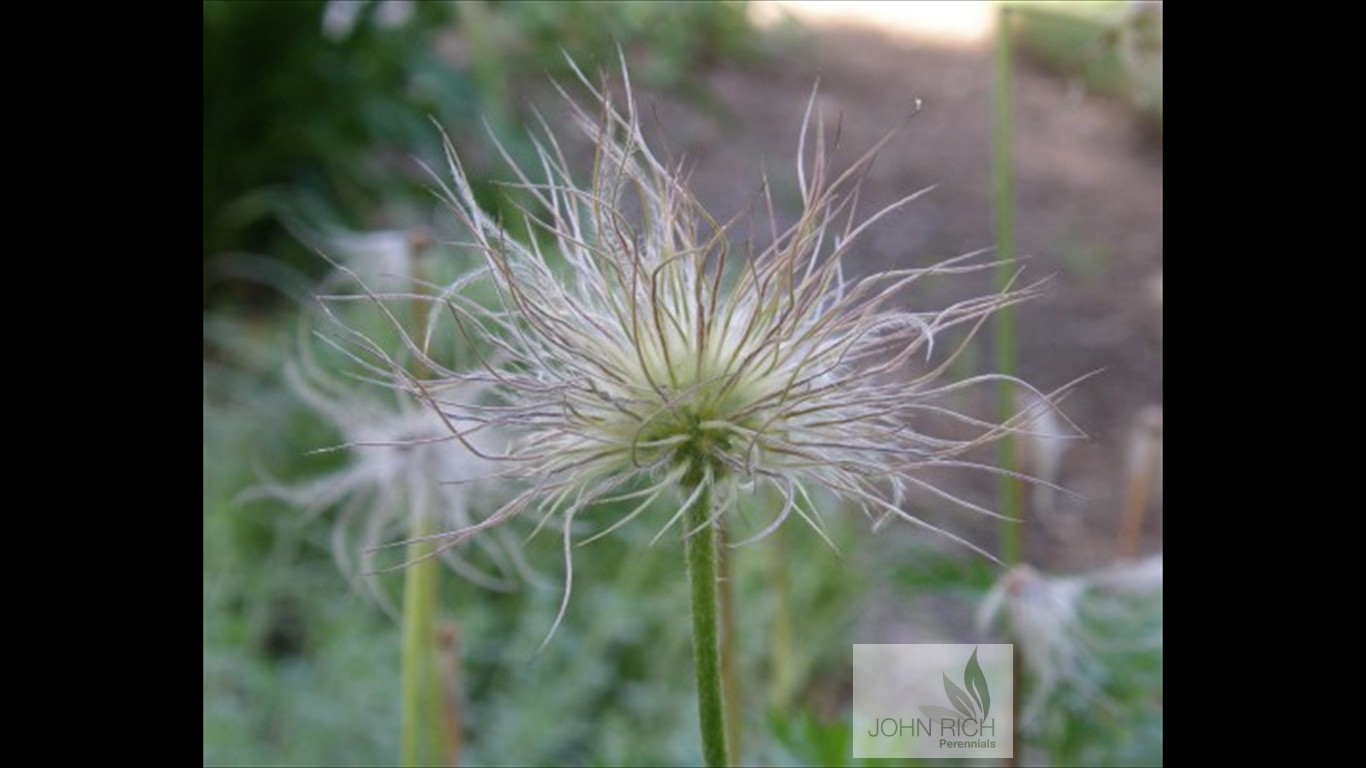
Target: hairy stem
700	547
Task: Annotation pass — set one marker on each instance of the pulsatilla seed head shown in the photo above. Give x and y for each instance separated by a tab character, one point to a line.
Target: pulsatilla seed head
637	355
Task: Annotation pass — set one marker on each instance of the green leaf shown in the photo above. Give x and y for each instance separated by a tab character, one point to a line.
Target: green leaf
960	700
976	683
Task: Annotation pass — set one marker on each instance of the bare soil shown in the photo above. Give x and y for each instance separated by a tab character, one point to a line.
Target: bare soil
1088	181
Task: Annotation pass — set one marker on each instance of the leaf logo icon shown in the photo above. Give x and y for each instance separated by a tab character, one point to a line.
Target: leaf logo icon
959	699
968	703
973	704
976	683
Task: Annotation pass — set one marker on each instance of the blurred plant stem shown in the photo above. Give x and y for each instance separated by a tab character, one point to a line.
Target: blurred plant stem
424	717
1012	497
782	659
449	644
485	36
699	543
1003	177
1144	467
423	723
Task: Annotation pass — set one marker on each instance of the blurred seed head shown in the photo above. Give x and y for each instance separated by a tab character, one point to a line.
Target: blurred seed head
403	464
1042	445
1065	625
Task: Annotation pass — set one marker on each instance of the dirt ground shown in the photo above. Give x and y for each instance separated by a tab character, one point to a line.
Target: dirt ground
1088	176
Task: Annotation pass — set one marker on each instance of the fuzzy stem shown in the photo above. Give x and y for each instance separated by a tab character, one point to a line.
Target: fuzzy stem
421	706
700	548
1012	499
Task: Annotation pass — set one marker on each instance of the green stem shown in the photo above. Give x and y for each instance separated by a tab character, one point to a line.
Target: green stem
423	708
1012	498
782	657
700	546
421	742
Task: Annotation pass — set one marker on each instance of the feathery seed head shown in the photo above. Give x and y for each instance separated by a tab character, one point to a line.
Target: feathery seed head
1070	627
657	358
404	464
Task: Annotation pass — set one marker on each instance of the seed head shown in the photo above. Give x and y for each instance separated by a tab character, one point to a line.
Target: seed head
1067	625
404	464
639	355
